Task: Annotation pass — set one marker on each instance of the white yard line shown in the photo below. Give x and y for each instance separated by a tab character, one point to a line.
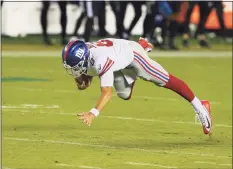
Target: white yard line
212	163
204	162
161	121
154	54
89	167
123	118
81	166
226	164
65	165
134	96
149	164
29	106
223	125
116	148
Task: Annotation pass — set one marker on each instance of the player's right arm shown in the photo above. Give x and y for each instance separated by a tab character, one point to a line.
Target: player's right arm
106	84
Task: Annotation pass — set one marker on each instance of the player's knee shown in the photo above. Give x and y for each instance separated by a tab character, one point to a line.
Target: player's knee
124	95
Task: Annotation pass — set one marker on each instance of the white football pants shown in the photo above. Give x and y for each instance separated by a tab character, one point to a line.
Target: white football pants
142	67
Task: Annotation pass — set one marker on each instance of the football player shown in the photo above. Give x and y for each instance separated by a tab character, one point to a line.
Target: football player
118	63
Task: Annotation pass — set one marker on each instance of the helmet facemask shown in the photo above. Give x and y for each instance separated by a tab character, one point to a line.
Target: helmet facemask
77	70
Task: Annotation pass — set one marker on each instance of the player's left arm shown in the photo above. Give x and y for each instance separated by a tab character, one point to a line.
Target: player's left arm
106	81
105	97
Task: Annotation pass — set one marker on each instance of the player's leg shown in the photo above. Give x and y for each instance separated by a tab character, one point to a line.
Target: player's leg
138	12
123	89
101	15
219	9
152	71
148	24
186	32
43	21
115	6
200	32
63	20
78	23
173	25
89	23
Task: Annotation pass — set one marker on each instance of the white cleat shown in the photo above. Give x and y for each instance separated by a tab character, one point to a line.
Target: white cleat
205	117
145	44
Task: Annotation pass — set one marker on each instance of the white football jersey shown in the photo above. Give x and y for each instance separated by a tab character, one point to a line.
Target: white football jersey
107	56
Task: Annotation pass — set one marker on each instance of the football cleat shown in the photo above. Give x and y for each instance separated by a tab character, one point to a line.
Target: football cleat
145	44
205	117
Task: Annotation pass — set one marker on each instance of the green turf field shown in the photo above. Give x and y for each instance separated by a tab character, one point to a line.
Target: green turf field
155	129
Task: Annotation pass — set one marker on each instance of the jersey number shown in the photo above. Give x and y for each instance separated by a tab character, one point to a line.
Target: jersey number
104	42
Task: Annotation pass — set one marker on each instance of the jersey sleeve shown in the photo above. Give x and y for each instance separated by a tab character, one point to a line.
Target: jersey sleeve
106	80
106	66
106	73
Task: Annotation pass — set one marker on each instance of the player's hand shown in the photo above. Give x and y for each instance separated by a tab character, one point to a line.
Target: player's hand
86	118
